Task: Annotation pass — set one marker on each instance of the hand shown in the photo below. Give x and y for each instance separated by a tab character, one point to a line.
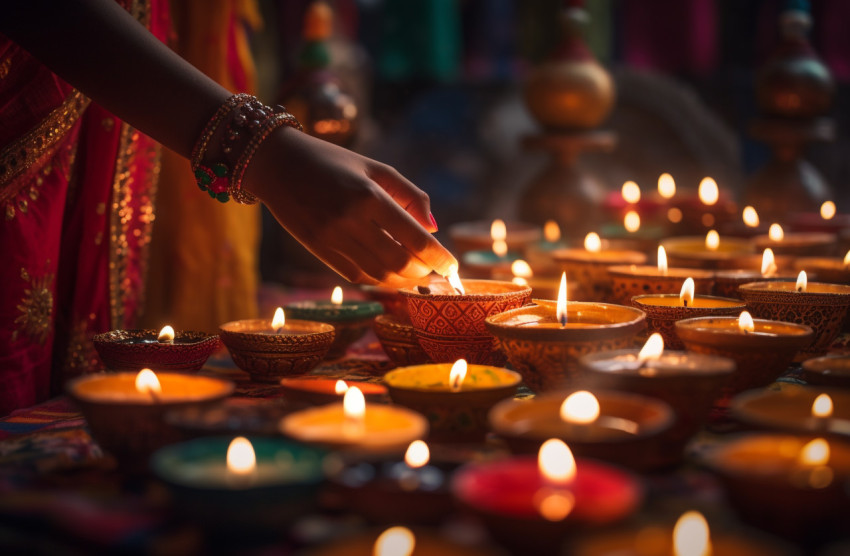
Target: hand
360	217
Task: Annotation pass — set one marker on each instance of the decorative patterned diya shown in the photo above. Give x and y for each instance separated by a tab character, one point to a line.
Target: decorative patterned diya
827	269
546	353
727	282
392	301
799	244
268	356
398	340
587	271
691	252
629	281
450	326
823	307
133	350
829	370
350	319
664	310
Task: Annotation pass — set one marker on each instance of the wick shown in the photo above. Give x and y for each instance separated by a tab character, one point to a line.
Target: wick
685	302
800	289
563	321
424	290
457	291
154	395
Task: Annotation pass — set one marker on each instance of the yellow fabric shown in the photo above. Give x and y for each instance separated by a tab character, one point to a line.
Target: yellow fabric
204	269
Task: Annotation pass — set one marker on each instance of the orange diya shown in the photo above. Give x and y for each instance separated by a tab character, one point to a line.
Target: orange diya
800	409
726	282
587	268
631	280
711	252
796	244
494	262
829	370
827	269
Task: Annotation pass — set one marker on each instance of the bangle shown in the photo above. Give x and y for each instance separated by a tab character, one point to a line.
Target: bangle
200	148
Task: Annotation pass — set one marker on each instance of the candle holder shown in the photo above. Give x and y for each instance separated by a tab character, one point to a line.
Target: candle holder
268	356
827	269
727	282
829	370
823	307
587	271
761	356
546	354
450	326
691	252
399	341
134	350
627	432
428	543
486	265
319	391
799	244
475	236
790	410
453	416
350	319
629	281
664	310
129	424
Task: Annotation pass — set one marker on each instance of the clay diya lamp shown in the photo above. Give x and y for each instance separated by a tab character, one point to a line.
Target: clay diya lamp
398	340
125	411
762	349
827	269
688	382
629	281
350	319
665	309
477	236
800	409
829	370
727	282
242	484
790	485
542	286
318	391
270	350
493	262
797	244
544	341
826	220
821	306
356	426
449	320
454	397
617	427
393	303
133	350
587	269
710	252
400	541
531	504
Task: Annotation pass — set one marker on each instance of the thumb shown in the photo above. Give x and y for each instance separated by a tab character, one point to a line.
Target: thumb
412	199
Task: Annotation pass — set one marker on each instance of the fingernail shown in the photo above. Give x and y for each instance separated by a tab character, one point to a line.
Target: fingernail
433	222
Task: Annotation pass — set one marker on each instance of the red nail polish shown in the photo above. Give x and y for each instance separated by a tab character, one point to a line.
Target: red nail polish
433	222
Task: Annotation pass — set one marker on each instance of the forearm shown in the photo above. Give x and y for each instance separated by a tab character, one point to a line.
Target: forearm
101	50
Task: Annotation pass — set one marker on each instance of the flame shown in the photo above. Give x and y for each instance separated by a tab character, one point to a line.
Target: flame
417	454
691	535
340	387
708	191
815	453
561	306
166	334
847	259
631	192
241	459
521	269
686	296
666	186
556	462
652	349
580	407
354	405
745	322
592	242
662	260
674	214
498	230
336	296
395	541
500	248
279	320
775	232
802	281
768	263
551	231
454	280
146	381
827	210
457	374
712	240
631	221
822	407
751	217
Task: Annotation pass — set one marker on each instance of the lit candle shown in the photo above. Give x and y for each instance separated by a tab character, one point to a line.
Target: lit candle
726	282
802	282
318	391
709	193
336	296
631	280
662	261
686	295
750	217
666	186
147	382
827	210
457	374
796	244
709	252
454	281
587	269
166	335
498	233
802	409
494	262
827	269
712	240
631	221
241	459
521	272
631	192
551	232
133	350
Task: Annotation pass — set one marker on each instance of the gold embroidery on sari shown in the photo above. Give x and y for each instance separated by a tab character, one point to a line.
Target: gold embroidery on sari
36	307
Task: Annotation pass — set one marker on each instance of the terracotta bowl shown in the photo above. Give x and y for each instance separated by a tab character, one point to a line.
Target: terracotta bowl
350	320
393	302
451	326
270	357
525	425
790	410
398	339
727	282
823	307
629	281
471	236
690	252
829	370
587	273
133	350
547	357
800	244
827	269
663	318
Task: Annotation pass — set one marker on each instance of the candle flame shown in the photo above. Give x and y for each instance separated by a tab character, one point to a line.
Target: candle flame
551	231
708	191
580	407
454	280
521	269
146	381
822	407
666	186
691	536
166	334
652	349
354	404
457	374
500	248
395	541
498	230
815	453
745	322
630	192
802	281
751	217
241	459
712	240
556	462
662	260
768	263
279	320
827	210
336	296
417	454
632	221
686	296
340	387
775	232
847	259
561	306
592	242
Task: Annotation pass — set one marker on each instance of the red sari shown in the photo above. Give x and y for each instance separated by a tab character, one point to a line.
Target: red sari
77	187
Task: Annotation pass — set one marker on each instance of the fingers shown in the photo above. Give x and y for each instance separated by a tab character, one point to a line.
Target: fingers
408	196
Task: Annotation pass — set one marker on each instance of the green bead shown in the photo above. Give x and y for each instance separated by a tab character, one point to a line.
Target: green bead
220	170
222	197
212	193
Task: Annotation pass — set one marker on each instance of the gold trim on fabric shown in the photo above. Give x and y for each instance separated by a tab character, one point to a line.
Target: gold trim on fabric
35	307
